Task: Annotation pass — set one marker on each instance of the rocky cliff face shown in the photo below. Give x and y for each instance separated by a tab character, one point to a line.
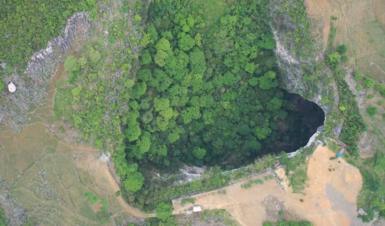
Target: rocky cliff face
32	85
290	66
300	57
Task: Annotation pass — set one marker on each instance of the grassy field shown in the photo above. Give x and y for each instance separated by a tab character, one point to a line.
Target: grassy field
360	25
43	175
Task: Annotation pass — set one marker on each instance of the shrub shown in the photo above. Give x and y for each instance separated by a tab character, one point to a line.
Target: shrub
371	110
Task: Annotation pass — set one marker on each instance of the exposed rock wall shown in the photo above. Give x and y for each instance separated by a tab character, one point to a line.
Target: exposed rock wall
33	83
291	69
300	58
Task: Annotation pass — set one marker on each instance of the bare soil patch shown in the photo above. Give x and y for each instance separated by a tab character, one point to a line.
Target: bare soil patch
328	199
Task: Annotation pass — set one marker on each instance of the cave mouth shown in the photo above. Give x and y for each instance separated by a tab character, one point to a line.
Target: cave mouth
303	119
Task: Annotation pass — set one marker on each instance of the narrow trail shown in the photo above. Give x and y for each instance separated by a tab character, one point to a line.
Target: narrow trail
102	171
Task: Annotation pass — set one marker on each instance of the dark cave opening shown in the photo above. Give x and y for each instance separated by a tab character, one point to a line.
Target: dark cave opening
303	120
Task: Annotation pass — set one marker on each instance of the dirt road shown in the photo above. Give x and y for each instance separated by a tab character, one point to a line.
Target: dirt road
329	198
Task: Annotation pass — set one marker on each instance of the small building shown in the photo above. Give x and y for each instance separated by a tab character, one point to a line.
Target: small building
11	87
340	154
197	209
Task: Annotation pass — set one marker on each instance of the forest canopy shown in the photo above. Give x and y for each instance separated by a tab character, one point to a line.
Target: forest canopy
203	90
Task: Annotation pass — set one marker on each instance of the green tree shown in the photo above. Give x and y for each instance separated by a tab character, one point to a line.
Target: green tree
139	89
153	33
163	211
199	153
197	61
146	58
163	50
268	81
133	130
143	145
94	55
186	42
333	59
372	111
161	104
72	67
133	182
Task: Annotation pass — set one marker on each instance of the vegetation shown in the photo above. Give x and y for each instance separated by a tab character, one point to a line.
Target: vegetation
3	220
21	30
371	110
296	35
353	124
164	211
96	95
187	201
102	214
365	82
221	215
257	181
250	183
295	168
371	198
197	101
200	87
287	223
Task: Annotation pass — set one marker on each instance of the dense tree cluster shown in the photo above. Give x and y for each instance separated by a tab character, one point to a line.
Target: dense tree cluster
204	91
203	94
98	90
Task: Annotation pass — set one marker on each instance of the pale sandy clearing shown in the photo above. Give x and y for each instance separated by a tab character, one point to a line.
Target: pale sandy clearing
329	198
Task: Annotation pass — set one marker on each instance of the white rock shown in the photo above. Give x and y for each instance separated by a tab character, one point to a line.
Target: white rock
11	87
105	157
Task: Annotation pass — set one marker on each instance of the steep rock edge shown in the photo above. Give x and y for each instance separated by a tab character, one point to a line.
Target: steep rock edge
300	56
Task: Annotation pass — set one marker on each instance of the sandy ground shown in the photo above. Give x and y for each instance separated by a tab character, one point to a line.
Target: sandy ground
329	198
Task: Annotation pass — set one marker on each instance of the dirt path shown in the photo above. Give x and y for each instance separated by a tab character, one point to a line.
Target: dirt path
329	198
91	160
